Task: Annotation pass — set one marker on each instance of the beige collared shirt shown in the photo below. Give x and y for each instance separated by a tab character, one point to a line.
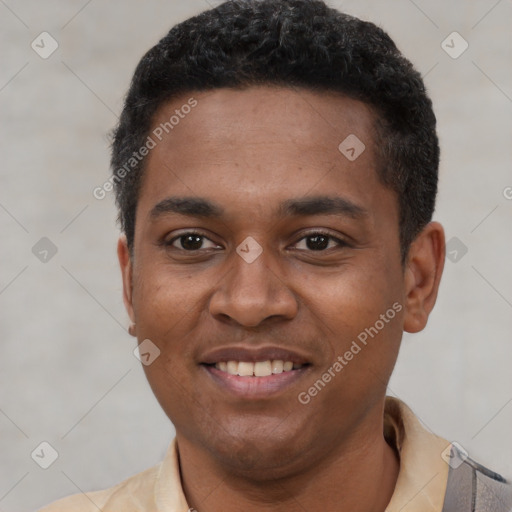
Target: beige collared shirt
420	487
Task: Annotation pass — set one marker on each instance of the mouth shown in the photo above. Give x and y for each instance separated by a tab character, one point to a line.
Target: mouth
255	373
257	369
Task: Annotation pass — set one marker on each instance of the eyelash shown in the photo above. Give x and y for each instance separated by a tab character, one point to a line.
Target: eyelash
340	242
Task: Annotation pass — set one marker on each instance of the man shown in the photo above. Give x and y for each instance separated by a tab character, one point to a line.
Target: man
275	168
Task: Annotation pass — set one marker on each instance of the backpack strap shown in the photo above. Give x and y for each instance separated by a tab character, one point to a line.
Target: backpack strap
472	487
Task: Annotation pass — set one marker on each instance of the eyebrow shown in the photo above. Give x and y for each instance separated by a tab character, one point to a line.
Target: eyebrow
315	205
191	206
322	205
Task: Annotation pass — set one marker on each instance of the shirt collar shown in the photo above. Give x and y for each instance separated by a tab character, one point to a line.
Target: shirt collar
421	483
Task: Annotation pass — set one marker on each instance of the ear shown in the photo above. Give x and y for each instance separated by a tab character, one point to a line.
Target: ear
424	267
125	262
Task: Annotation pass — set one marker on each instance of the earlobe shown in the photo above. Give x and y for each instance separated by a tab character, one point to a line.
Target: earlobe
125	262
423	272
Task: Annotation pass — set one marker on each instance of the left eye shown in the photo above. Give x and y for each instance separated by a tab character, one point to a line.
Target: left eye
191	242
319	242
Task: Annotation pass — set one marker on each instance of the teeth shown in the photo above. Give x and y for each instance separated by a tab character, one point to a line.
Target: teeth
259	369
245	369
263	369
277	366
232	367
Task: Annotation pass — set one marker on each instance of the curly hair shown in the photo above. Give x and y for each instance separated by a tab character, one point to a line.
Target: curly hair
290	43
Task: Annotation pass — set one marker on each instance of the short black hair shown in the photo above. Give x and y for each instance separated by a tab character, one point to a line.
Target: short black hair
301	44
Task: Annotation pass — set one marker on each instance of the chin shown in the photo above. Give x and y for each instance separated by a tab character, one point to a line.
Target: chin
261	465
257	453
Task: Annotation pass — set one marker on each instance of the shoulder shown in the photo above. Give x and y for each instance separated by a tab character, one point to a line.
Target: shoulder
133	494
459	483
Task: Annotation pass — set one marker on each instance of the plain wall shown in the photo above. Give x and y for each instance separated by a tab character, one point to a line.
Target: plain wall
68	375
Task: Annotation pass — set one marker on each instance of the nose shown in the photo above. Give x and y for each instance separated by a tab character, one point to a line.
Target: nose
253	292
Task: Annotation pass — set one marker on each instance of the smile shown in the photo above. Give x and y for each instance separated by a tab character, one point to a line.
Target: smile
257	369
258	380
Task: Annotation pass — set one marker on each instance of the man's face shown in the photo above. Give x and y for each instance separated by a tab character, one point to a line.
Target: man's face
264	163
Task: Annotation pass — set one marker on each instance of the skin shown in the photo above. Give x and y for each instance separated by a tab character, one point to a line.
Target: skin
247	151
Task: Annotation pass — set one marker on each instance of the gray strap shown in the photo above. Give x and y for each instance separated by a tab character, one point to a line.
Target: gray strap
460	489
473	488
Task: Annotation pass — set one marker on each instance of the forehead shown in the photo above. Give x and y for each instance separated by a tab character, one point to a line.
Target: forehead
257	114
260	144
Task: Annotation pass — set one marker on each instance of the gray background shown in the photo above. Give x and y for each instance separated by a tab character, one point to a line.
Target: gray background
67	372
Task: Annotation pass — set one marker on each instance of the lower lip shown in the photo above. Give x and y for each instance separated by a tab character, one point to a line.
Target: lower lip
255	387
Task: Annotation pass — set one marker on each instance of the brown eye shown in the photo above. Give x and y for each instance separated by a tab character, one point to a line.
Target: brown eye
319	242
191	242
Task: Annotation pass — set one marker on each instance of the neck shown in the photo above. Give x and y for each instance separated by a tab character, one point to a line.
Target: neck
358	474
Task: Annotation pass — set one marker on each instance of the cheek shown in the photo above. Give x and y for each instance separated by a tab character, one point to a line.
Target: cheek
165	299
167	310
360	313
352	298
174	390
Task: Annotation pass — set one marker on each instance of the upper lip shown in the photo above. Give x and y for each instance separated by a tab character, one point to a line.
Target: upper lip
253	355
